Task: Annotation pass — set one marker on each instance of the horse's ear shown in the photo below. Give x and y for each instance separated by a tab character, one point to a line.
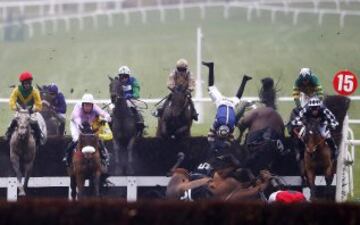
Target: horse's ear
110	78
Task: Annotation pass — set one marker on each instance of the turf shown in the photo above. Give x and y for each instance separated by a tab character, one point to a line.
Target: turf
81	60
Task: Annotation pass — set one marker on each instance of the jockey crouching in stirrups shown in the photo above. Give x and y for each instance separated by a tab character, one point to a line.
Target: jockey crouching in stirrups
131	89
181	76
315	109
27	97
58	105
85	112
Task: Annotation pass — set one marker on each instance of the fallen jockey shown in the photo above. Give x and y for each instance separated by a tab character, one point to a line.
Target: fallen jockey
85	112
26	97
220	135
315	109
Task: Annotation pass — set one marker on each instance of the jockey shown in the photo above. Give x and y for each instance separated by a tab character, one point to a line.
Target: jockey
316	109
84	112
58	104
221	132
26	97
307	83
180	76
287	196
132	92
102	130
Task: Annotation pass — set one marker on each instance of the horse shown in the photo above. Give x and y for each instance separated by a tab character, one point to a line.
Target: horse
226	181
266	130
54	123
176	119
86	164
123	127
22	149
221	186
317	156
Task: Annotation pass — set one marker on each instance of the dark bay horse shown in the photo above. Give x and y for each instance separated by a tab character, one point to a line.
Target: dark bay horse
317	156
220	186
86	164
176	120
54	123
123	127
264	140
22	149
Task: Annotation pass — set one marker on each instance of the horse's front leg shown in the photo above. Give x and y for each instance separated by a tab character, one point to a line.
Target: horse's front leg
80	183
15	162
329	176
27	171
73	187
310	176
129	149
96	183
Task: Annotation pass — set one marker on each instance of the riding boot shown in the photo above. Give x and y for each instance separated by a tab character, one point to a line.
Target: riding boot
193	111
139	123
62	128
37	133
333	147
104	153
68	152
10	130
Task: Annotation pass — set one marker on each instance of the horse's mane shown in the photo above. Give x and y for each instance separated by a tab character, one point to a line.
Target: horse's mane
267	93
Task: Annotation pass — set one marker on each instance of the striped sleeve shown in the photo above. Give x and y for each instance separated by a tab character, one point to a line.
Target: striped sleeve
298	119
330	118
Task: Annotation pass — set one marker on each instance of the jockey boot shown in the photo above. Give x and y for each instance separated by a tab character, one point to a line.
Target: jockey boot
10	130
68	152
195	115
62	128
333	148
37	133
104	153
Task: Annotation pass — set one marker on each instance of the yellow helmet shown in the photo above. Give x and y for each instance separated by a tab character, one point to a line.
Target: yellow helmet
182	65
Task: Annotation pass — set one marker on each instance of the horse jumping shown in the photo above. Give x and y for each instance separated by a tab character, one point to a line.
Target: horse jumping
22	149
176	119
123	127
86	164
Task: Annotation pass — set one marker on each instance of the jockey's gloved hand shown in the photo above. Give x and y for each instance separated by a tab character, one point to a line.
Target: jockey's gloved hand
128	96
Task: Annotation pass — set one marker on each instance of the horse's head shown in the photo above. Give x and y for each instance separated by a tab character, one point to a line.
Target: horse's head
23	121
311	135
116	89
88	141
179	100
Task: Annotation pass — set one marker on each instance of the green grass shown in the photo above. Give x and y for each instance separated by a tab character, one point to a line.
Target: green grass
82	59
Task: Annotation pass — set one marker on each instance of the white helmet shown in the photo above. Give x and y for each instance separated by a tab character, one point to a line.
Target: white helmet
87	98
124	70
182	65
305	72
314	102
223	131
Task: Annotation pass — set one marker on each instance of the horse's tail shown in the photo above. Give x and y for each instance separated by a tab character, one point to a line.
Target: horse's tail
267	93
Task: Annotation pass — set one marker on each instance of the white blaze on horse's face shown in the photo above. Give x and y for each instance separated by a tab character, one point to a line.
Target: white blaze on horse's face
23	125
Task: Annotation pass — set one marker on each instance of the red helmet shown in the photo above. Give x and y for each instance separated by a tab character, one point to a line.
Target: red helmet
25	76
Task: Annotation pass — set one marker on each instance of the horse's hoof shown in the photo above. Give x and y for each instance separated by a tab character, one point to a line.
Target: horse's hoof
21	193
172	137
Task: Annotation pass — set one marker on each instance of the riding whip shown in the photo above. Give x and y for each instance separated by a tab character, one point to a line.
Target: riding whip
180	158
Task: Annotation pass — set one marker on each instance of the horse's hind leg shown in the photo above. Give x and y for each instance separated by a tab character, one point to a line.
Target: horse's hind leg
15	161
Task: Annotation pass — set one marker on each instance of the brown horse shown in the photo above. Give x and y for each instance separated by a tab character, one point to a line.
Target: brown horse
22	149
317	156
264	140
176	119
220	186
86	164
